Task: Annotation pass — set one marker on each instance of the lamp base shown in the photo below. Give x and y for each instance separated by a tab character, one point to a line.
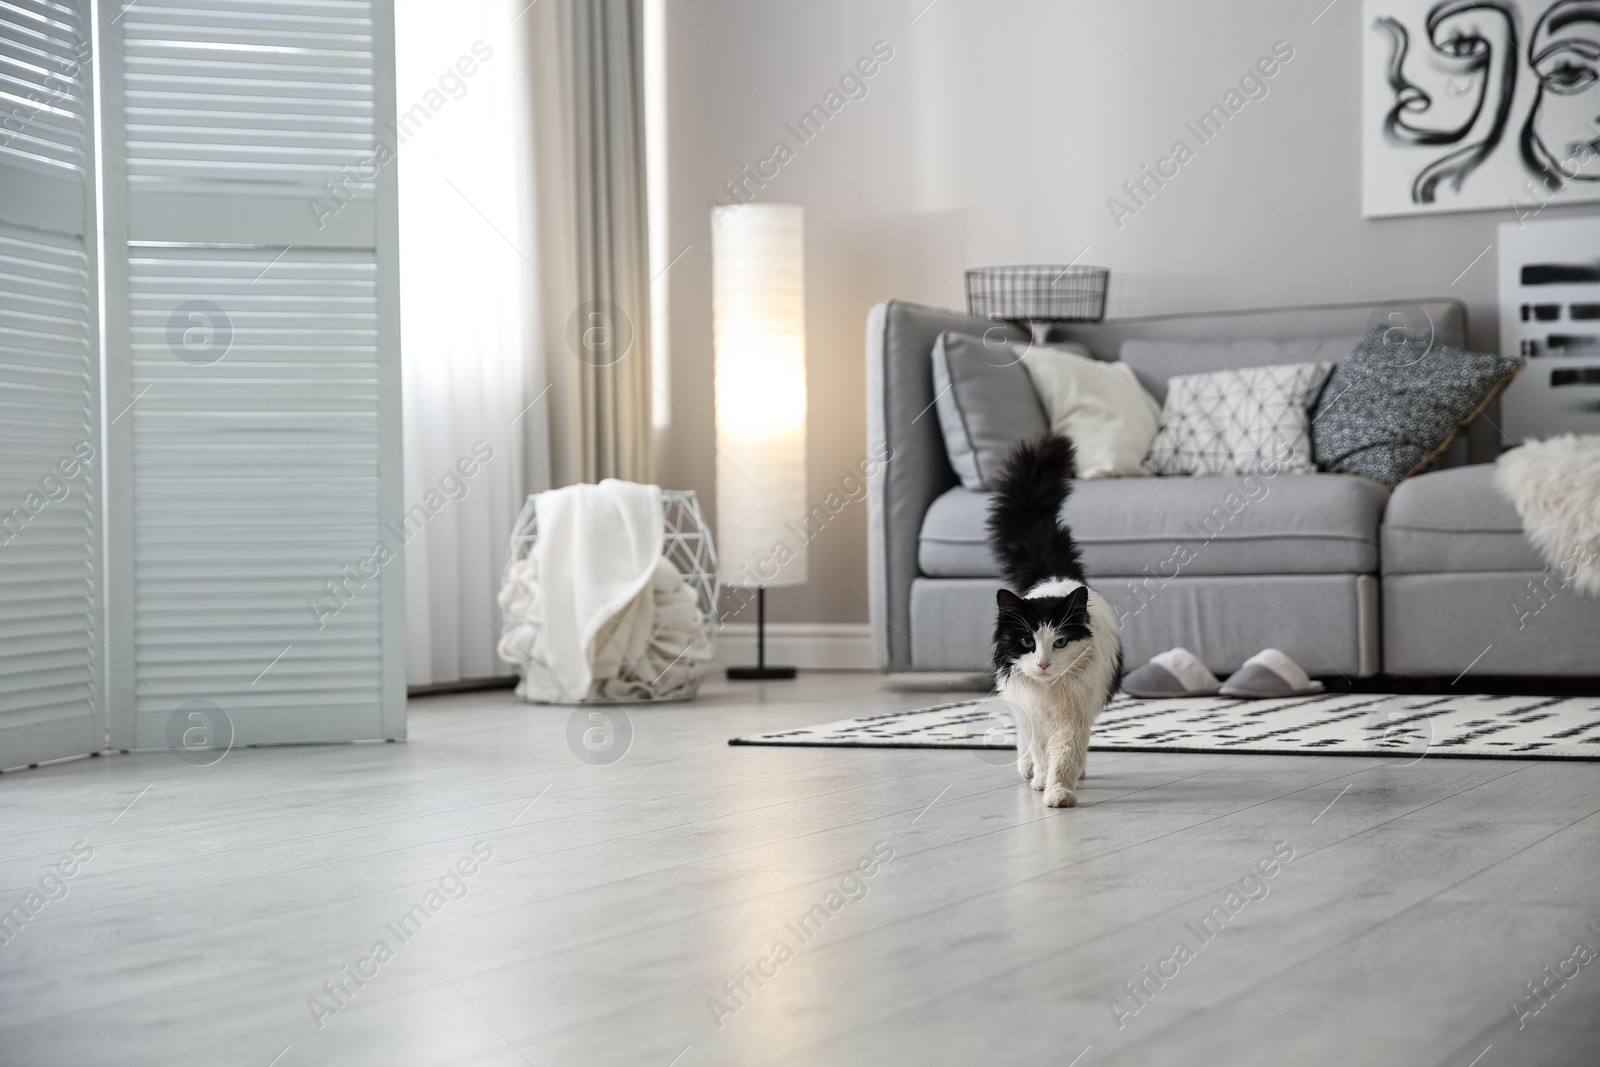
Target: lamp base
759	674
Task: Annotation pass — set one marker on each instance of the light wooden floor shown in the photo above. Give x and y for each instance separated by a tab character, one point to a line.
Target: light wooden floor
1419	902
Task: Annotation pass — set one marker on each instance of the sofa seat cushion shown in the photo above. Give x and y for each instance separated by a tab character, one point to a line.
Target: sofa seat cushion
1454	521
1220	525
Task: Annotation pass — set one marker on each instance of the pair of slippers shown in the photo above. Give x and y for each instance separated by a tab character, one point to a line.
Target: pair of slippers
1179	673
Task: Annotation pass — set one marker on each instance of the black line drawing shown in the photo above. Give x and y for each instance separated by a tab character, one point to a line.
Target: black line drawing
1572	344
1473	58
1561	139
1560	273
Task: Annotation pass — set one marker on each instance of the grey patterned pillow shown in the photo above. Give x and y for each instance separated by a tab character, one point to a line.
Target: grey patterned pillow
1238	421
1398	401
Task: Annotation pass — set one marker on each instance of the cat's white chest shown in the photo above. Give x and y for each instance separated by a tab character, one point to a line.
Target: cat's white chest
1044	702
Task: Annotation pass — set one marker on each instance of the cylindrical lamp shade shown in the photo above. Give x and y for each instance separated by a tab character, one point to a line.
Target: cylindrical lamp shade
759	324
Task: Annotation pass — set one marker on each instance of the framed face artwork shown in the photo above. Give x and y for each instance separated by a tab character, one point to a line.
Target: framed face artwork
1474	104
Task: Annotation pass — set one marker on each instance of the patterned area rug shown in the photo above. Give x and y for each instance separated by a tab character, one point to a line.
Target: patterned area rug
1342	724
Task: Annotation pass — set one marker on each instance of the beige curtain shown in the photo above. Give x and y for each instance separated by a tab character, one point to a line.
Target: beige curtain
594	296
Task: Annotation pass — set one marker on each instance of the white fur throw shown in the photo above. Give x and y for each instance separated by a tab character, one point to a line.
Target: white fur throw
1556	487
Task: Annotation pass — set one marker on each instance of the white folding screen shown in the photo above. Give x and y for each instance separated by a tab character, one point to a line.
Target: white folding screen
49	401
253	360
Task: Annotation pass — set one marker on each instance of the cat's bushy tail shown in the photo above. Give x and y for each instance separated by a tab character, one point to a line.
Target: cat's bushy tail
1025	533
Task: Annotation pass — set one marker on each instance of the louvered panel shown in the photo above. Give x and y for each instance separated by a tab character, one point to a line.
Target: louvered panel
43	111
43	339
255	467
257	447
48	493
266	97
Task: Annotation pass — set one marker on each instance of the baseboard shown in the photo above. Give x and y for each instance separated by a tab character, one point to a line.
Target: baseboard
827	646
462	685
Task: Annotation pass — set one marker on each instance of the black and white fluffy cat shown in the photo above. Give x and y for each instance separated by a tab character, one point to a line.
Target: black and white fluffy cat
1057	647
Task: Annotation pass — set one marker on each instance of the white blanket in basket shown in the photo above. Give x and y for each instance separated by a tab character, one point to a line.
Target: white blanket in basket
595	611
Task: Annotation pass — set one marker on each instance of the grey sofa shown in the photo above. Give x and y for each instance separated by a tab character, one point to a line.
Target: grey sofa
1344	576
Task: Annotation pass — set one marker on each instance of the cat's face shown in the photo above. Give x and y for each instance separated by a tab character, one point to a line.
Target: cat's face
1042	638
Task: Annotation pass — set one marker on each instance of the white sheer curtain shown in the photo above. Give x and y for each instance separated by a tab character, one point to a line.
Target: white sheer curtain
469	295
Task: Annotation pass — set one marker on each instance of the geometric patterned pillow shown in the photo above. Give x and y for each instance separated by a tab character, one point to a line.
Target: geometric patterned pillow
1239	421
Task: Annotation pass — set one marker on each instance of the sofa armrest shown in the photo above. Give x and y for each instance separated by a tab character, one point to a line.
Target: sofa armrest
903	428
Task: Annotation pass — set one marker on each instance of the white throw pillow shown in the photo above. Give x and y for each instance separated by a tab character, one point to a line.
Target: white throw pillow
1101	406
1239	421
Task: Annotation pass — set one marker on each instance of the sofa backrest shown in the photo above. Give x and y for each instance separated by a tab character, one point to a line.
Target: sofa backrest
1104	339
1338	326
1155	361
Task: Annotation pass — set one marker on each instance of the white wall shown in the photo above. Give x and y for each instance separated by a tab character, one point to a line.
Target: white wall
996	134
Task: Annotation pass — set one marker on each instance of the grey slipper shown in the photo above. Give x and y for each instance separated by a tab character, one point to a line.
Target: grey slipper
1269	673
1176	672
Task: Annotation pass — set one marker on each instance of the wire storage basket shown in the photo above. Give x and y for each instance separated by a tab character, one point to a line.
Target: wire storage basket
688	546
1038	293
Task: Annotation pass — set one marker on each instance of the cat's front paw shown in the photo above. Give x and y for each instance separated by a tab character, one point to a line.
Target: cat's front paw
1025	767
1037	781
1058	796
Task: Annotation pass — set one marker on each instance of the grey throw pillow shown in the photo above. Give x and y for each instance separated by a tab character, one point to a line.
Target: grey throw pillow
1397	402
986	405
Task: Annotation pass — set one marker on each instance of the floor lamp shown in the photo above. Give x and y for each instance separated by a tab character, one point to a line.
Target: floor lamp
759	330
